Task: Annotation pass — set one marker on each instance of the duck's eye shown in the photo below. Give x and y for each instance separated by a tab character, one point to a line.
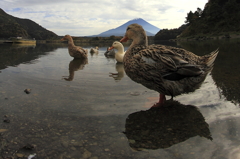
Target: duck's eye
128	28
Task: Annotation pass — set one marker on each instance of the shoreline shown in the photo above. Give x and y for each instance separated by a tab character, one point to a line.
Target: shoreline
223	35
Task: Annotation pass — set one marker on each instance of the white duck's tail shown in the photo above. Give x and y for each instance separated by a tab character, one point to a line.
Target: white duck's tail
211	58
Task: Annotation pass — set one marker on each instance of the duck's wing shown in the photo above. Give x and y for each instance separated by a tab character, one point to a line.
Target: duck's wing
170	65
80	50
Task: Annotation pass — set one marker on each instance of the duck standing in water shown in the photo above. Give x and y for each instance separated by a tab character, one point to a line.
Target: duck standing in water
119	58
75	51
120	51
94	50
165	69
109	53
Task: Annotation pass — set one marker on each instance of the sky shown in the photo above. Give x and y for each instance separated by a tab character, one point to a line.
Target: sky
92	17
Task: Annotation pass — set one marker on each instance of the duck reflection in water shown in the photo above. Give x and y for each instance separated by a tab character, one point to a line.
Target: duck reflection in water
120	72
75	65
162	127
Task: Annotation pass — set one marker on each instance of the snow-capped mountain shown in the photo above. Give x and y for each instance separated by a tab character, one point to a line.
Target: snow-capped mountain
150	29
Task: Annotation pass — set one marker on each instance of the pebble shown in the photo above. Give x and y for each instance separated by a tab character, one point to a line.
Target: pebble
86	154
6	121
29	146
27	91
64	144
106	150
3	130
19	155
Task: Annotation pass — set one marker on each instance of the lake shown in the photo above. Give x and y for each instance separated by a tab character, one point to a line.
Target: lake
77	110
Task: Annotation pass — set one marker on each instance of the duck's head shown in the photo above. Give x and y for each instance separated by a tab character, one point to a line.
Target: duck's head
116	44
136	33
66	37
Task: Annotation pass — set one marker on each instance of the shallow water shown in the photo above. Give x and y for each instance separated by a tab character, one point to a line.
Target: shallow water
90	114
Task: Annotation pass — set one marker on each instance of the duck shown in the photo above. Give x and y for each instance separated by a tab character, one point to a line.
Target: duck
75	51
168	70
120	51
109	53
94	50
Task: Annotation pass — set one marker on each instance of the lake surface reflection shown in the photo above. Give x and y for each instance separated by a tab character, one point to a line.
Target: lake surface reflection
78	109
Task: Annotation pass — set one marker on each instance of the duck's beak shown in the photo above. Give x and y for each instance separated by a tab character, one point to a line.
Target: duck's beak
124	39
62	39
110	48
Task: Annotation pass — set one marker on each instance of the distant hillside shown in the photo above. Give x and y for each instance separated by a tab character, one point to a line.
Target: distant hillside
150	29
167	34
218	16
12	27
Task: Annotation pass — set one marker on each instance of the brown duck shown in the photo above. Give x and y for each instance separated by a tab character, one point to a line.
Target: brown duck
75	51
165	69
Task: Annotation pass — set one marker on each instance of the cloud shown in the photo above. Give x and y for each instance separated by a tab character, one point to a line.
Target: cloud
89	17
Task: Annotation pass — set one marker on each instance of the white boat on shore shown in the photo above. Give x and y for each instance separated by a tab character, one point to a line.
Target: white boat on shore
22	40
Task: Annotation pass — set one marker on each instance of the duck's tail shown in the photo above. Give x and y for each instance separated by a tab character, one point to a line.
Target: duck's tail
211	58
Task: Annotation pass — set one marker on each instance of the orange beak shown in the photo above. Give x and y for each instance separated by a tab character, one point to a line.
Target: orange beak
124	39
110	48
62	39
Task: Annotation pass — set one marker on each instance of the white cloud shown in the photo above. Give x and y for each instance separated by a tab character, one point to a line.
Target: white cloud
89	17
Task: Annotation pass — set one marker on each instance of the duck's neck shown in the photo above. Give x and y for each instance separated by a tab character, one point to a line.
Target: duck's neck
70	42
140	40
120	49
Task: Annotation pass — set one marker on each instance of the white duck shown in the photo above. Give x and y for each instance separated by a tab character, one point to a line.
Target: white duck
120	51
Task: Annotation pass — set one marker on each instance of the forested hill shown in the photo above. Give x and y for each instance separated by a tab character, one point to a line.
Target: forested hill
218	17
12	27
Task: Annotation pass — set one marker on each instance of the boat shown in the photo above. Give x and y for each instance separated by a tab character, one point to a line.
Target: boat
22	40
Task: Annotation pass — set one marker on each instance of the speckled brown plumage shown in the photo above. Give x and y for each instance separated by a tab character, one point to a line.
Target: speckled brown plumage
165	69
75	51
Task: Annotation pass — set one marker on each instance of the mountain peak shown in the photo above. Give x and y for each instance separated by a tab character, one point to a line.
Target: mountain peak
136	19
150	29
